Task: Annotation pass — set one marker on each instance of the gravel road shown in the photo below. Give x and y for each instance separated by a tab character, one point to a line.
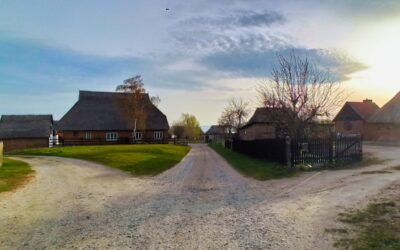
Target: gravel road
202	203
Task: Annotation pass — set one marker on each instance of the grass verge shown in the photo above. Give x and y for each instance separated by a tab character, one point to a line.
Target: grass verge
254	168
13	174
396	168
375	227
139	160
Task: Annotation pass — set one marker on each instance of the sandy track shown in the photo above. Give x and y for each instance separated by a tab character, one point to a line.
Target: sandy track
202	203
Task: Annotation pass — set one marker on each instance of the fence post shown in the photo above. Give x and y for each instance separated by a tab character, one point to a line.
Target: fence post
1	153
288	152
331	145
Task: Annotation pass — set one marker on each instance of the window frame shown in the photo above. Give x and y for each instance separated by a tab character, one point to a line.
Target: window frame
111	136
138	138
158	135
88	136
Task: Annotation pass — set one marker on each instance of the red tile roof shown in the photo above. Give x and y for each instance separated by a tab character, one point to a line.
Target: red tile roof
365	109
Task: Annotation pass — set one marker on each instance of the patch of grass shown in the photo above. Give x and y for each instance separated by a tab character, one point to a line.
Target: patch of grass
139	160
375	227
337	230
367	160
254	168
396	168
376	172
13	174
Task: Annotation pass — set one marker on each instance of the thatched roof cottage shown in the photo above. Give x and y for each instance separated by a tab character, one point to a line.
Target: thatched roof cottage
25	131
106	117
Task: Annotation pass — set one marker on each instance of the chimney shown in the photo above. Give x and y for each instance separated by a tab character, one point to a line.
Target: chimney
367	101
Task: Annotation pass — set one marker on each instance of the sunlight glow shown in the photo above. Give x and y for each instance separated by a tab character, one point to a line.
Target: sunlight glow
379	48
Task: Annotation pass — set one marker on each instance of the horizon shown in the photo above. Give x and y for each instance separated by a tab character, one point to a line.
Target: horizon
194	56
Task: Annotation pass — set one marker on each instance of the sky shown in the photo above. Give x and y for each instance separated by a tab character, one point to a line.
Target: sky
196	55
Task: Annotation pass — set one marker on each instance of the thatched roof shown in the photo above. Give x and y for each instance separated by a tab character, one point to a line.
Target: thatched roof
357	111
264	116
109	111
217	130
25	126
389	113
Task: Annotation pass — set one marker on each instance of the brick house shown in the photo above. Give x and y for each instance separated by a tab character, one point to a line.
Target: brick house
353	117
385	123
25	131
105	117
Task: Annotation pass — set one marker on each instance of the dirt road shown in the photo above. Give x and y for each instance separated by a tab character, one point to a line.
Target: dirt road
202	203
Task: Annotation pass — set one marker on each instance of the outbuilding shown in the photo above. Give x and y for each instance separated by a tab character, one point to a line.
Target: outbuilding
25	131
353	117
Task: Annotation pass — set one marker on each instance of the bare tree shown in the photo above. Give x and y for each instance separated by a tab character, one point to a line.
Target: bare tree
300	93
234	115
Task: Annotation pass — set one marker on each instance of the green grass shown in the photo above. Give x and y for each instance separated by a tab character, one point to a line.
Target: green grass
254	168
375	227
13	173
139	160
376	172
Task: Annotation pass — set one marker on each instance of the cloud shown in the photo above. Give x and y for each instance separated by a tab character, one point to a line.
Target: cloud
252	63
237	19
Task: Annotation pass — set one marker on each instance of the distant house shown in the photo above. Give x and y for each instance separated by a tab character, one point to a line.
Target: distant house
385	123
25	131
354	116
260	126
216	133
105	117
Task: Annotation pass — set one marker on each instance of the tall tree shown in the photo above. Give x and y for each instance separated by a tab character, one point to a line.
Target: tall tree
301	93
132	85
136	110
235	114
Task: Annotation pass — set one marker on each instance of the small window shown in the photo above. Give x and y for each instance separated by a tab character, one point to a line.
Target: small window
158	135
88	136
112	136
139	136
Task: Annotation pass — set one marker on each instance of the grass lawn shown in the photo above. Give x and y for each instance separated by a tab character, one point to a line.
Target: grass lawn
254	168
139	160
13	173
375	227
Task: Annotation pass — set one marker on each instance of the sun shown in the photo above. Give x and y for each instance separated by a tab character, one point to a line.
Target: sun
378	46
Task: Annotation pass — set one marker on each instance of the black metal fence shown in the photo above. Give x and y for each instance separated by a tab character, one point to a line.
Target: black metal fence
293	152
270	149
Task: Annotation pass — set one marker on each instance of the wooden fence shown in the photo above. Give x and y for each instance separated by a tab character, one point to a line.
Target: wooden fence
119	141
315	152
